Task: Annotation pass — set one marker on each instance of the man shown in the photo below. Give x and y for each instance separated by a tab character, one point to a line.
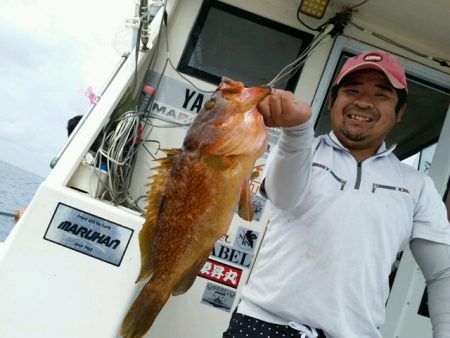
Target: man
343	206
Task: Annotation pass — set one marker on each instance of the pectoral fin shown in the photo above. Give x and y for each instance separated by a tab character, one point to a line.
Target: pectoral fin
245	210
219	162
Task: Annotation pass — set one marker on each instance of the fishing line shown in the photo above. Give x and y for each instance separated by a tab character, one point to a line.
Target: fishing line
289	70
360	4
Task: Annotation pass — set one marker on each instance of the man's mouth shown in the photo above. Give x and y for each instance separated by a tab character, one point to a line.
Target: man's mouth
360	118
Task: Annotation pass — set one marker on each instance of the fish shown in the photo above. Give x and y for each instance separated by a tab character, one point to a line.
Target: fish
193	195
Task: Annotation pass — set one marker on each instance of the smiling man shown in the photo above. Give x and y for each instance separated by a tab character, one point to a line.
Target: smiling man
343	207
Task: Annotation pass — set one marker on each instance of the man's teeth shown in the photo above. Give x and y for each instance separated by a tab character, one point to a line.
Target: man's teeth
360	118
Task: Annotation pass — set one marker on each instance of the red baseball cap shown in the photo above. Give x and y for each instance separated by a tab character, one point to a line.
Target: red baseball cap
376	59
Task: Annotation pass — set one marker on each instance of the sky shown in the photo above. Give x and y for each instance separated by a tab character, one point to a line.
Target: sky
51	52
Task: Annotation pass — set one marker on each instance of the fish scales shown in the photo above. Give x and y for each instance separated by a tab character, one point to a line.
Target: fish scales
193	196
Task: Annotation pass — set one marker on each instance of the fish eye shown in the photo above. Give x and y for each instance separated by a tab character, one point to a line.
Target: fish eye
210	104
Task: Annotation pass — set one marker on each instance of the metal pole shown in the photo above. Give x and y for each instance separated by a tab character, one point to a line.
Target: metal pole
91	108
5	213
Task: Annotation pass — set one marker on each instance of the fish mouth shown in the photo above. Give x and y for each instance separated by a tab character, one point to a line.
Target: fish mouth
253	95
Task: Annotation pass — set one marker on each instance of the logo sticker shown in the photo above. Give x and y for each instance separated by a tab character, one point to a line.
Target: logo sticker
373	58
258	202
218	297
88	234
258	207
221	273
246	239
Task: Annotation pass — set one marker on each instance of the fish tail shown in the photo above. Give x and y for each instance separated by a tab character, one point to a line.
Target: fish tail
143	312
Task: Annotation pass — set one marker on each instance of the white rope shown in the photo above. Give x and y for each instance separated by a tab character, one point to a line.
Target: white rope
305	331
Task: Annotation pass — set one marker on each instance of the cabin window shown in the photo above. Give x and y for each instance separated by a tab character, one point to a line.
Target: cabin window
228	41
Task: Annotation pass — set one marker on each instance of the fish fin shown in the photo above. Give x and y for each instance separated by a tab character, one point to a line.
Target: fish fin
171	151
189	276
245	210
155	203
144	310
218	162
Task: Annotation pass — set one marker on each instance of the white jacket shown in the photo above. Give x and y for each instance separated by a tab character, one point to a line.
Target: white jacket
336	228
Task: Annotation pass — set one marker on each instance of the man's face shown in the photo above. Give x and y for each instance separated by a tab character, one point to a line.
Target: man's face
363	112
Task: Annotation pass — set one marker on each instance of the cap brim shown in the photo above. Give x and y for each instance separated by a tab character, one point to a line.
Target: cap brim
394	82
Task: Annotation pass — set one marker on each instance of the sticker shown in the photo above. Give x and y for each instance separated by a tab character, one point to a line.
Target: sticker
259	203
232	255
246	239
225	238
91	235
171	114
218	297
175	101
221	273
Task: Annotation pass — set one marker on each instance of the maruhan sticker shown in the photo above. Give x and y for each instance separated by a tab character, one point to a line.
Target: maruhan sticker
218	297
88	234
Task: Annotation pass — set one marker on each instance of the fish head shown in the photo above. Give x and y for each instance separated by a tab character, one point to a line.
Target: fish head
230	123
245	97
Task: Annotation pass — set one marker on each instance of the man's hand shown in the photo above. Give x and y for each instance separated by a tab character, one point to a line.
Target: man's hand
281	109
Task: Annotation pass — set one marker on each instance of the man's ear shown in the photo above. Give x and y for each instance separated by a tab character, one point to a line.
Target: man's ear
400	113
329	101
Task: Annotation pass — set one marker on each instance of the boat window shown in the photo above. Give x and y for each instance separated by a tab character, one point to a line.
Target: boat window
228	41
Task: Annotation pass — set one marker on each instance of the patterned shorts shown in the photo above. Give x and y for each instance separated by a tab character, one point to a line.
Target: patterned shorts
242	326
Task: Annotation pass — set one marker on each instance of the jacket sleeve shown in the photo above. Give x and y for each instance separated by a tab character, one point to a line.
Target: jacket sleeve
288	166
434	260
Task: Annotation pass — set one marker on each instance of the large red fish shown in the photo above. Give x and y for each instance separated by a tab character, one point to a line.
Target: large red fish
193	196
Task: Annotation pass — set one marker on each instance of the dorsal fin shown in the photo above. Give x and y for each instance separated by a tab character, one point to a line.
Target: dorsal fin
155	200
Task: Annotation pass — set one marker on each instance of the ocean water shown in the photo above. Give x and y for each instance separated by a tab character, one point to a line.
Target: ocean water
17	188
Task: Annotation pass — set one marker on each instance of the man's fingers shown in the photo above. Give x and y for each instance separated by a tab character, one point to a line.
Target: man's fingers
281	109
276	108
264	109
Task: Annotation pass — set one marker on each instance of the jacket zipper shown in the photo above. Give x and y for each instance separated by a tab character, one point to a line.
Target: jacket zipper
359	163
358	175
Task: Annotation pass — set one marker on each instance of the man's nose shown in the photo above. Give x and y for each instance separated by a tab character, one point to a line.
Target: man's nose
363	103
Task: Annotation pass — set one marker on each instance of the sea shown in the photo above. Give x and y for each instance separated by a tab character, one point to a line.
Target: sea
17	188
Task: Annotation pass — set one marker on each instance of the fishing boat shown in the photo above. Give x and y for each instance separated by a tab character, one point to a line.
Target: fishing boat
69	266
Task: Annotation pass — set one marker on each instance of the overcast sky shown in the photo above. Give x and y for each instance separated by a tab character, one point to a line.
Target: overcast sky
51	52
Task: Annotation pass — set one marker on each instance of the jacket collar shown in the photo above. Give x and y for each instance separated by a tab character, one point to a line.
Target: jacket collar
334	142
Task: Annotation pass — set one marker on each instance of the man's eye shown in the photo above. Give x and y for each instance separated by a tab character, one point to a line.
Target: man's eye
383	95
352	91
